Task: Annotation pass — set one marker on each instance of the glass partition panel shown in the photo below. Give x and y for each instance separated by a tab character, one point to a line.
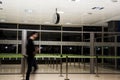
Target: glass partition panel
72	37
50	36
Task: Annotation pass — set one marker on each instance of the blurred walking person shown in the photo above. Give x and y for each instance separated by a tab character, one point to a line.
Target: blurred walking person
31	51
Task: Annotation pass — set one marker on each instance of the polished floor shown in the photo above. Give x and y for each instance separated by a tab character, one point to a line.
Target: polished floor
55	68
77	71
57	77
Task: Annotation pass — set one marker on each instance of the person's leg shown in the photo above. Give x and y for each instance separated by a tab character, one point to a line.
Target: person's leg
35	65
29	68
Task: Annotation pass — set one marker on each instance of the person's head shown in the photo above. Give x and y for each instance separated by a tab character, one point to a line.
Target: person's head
33	35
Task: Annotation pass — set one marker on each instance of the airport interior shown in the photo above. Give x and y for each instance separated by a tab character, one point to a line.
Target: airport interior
86	48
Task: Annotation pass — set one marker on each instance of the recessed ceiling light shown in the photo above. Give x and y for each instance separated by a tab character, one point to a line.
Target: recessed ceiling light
28	10
114	0
98	8
0	2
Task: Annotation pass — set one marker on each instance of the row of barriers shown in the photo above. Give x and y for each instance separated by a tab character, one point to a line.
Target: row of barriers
91	62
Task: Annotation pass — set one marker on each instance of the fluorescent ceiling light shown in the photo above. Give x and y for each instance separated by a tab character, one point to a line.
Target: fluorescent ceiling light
98	8
0	2
114	0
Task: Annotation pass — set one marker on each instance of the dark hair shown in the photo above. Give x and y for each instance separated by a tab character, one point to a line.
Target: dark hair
32	34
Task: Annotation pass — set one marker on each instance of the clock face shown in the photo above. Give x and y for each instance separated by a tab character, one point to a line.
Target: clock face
56	18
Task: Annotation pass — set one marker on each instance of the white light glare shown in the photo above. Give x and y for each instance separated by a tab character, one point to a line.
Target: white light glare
70	48
6	47
60	12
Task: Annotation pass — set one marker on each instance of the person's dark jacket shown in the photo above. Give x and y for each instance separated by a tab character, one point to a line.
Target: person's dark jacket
30	48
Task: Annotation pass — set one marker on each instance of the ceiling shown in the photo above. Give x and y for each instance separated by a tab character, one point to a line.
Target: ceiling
72	12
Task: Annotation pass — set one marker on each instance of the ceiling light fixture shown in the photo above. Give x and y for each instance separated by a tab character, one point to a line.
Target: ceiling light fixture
0	2
56	17
98	8
114	0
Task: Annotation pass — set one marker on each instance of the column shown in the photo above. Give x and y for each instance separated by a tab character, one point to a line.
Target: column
92	53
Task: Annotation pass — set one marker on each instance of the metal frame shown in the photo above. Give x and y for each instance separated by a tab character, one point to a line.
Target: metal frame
91	44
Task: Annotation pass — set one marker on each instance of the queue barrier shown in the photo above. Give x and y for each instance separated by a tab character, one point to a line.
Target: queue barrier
51	58
2	56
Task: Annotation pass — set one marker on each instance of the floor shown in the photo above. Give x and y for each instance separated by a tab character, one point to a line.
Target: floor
57	77
81	72
54	68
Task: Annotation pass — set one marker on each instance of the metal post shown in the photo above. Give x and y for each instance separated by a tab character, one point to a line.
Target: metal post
24	34
102	55
92	53
66	68
115	47
56	63
81	54
82	46
97	66
79	62
17	39
61	66
0	62
74	62
70	61
40	40
53	62
61	55
102	46
84	64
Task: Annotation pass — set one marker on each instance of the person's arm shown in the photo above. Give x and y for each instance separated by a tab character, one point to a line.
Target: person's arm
36	50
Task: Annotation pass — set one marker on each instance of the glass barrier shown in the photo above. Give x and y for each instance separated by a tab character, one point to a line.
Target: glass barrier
80	47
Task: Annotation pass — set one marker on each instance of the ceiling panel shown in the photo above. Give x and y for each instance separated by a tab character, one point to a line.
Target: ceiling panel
75	12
